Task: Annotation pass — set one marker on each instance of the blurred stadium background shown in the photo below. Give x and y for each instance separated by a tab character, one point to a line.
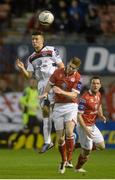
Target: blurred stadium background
83	28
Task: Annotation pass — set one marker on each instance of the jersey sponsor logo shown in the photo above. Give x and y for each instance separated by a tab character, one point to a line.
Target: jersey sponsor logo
72	79
91	100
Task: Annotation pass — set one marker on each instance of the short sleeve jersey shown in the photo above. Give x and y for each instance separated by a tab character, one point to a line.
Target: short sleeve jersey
67	83
88	107
44	63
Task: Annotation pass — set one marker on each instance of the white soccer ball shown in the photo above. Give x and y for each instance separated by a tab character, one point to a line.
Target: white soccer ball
46	17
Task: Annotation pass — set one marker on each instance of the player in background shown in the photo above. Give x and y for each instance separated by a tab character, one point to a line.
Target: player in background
29	105
66	84
41	64
89	109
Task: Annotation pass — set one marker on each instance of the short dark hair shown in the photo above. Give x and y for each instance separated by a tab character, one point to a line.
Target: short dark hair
37	33
95	77
76	61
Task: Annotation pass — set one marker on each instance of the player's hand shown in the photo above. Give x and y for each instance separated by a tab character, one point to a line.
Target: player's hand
89	133
103	118
43	96
19	64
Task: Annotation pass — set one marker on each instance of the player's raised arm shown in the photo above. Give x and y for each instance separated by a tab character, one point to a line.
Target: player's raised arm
46	91
20	65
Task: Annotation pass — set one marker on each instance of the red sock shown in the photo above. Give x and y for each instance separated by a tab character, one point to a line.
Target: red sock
81	161
69	147
62	150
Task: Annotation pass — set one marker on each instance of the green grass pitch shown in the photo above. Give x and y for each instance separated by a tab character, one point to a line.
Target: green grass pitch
28	164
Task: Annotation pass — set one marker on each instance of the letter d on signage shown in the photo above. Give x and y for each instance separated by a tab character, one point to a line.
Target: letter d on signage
90	64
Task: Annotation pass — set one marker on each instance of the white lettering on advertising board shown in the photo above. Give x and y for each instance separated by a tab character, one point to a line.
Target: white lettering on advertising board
105	60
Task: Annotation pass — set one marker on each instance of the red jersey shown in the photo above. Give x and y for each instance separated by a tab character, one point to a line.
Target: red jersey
67	83
89	106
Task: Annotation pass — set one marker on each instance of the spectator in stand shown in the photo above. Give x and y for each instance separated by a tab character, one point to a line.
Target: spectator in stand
106	21
5	16
7	57
61	5
75	7
33	24
62	23
92	22
49	5
111	10
62	20
76	13
110	99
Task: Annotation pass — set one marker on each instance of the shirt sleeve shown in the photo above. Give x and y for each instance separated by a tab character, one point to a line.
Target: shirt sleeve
56	56
29	65
78	85
77	88
81	105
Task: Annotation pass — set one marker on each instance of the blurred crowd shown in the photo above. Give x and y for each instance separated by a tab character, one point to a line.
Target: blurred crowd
89	17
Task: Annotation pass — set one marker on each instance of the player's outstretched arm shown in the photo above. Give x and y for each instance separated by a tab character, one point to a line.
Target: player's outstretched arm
47	89
65	93
101	115
20	65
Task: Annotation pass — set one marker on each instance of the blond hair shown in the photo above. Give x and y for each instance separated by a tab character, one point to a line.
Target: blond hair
76	61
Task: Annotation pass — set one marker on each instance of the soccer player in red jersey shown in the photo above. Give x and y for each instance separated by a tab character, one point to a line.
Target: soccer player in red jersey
89	109
41	64
66	83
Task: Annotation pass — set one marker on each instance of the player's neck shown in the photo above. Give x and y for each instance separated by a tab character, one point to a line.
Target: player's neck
93	93
37	50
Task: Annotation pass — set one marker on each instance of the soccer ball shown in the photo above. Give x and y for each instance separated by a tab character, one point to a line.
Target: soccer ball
46	17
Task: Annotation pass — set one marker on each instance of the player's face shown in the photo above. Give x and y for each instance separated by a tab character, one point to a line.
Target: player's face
71	68
37	42
95	85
